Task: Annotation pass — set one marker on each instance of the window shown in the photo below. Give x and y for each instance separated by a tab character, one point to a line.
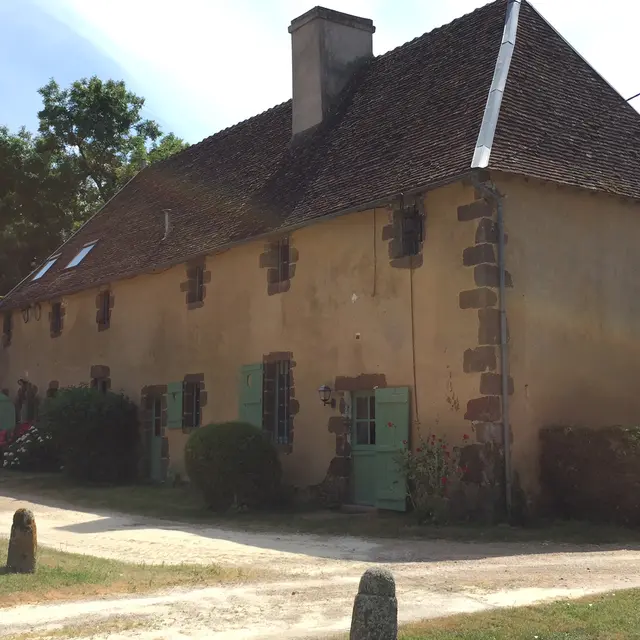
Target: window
80	256
191	405
412	228
283	259
199	284
101	384
45	268
276	400
56	318
365	418
104	311
7	327
157	417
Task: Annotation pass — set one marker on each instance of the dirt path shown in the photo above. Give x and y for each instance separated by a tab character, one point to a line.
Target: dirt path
319	576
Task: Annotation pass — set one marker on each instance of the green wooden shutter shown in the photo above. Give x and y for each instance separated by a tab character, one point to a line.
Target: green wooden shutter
174	405
392	408
7	413
250	394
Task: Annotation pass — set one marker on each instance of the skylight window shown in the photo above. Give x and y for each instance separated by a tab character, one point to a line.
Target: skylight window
47	265
80	256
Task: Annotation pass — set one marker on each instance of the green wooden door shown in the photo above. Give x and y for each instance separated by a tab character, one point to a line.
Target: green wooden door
392	415
175	393
7	413
250	394
363	447
155	441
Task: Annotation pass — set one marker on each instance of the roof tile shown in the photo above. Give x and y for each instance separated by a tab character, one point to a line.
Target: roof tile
410	118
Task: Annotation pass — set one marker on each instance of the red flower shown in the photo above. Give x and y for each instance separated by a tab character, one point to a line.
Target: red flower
419	450
465	437
444	446
444	480
404	442
389	424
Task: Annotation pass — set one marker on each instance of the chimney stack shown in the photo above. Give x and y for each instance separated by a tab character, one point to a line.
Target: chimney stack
327	46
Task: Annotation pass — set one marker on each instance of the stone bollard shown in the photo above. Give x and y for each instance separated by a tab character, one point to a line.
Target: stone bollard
23	543
375	610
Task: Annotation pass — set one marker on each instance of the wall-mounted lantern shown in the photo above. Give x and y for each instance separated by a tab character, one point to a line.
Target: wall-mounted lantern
324	391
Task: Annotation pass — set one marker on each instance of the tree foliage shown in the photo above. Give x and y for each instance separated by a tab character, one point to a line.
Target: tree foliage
91	140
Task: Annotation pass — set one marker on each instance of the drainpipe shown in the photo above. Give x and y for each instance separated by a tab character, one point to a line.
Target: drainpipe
490	191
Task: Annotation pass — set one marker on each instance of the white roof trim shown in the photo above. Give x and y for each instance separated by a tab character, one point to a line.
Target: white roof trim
487	133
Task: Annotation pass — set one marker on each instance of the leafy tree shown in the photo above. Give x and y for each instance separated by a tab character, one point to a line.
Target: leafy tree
92	139
39	202
100	123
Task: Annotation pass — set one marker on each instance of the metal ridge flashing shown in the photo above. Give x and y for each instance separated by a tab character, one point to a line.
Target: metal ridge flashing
482	152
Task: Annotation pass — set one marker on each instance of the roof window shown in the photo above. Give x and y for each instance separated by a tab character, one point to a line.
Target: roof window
80	256
47	265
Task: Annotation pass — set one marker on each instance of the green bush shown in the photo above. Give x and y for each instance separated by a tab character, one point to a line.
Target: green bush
233	464
591	474
97	434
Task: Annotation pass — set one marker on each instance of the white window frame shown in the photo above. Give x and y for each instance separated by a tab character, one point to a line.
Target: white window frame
81	255
45	267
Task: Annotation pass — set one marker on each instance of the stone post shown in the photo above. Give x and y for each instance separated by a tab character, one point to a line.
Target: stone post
375	610
23	543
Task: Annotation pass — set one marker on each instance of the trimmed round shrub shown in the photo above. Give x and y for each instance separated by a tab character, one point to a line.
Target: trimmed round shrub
96	433
233	464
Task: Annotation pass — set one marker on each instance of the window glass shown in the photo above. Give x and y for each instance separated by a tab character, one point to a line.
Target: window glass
80	256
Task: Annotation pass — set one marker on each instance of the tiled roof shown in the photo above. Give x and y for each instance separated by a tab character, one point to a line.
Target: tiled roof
561	121
409	119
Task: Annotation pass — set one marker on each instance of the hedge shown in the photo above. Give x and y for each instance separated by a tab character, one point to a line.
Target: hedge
591	474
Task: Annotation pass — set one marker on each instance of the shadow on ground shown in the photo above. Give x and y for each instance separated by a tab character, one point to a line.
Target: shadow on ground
334	534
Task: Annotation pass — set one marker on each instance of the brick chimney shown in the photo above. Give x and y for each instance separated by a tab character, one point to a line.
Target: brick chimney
327	46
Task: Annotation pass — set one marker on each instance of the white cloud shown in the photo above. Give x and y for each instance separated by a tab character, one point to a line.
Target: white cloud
206	64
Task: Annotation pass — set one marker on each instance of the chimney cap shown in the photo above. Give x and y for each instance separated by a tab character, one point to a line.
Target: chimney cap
346	19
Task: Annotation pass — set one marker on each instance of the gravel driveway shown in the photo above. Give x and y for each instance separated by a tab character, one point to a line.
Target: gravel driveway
319	576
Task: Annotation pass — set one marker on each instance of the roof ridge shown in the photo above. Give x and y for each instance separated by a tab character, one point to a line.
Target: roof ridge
489	123
577	53
237	125
219	135
231	128
222	133
434	31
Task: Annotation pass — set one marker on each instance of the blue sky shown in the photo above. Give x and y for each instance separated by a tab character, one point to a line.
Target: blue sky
203	65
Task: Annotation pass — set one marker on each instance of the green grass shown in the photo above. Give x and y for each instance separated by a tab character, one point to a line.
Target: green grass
64	576
613	616
182	503
109	627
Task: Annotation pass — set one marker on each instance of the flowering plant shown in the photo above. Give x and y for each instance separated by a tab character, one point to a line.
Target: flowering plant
30	449
432	470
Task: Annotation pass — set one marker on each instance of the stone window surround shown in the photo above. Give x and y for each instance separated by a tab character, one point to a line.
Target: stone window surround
394	232
278	277
194	378
100	376
195	285
102	322
56	331
293	407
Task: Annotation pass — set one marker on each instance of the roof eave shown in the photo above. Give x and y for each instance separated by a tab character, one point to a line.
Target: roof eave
8	305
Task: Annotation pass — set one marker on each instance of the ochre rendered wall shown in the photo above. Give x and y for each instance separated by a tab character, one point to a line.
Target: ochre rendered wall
348	312
573	312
